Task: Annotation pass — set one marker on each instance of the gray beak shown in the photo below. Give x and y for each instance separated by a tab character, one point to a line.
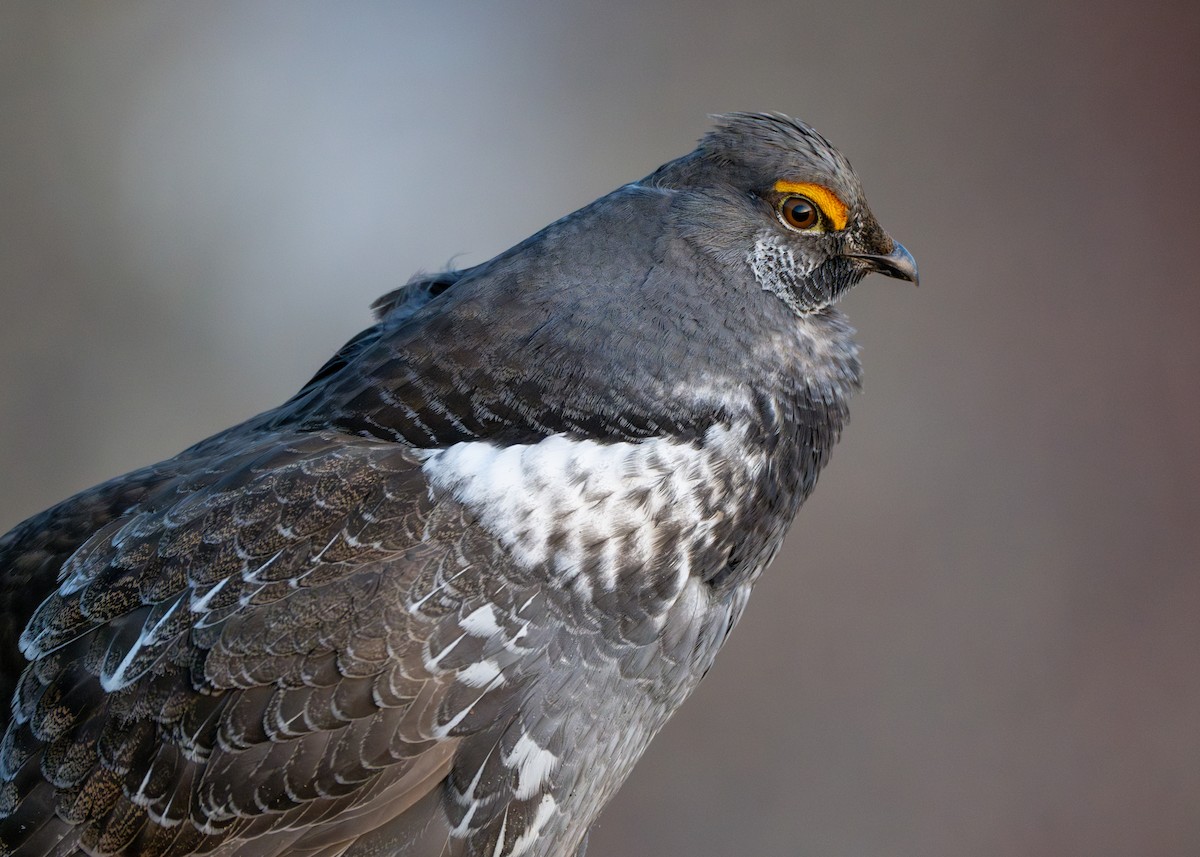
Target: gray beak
899	263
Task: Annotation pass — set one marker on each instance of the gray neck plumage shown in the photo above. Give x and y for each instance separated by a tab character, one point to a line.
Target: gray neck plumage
796	420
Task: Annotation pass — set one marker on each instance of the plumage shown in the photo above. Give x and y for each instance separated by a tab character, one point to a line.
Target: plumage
440	601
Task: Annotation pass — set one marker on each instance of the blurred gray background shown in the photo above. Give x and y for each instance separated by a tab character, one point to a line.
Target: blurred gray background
983	637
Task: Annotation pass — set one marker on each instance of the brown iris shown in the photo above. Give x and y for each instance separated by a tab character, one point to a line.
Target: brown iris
800	212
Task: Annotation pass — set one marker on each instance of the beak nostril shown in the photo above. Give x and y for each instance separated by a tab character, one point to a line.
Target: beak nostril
899	263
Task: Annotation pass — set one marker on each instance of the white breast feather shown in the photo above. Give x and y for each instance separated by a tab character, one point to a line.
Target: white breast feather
561	502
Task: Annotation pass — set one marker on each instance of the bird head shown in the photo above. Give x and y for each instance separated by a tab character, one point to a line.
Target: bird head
768	192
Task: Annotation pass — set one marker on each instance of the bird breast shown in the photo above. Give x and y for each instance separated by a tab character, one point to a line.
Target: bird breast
635	519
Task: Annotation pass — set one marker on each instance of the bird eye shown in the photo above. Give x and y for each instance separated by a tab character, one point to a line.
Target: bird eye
799	212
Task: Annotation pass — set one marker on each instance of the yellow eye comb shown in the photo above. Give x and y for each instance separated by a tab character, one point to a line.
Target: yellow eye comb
825	199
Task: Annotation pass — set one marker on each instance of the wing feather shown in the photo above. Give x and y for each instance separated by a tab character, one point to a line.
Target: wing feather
262	641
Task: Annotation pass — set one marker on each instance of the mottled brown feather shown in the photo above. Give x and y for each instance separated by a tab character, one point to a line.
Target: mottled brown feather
259	706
